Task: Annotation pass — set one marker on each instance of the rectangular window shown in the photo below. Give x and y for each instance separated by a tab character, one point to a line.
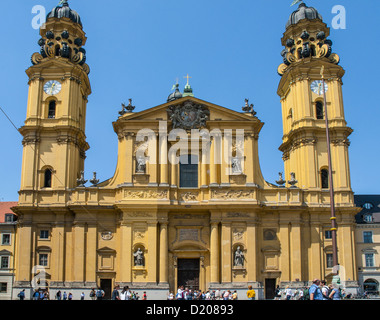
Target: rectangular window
189	172
4	263
369	262
3	287
43	259
367	236
44	234
329	260
328	234
6	239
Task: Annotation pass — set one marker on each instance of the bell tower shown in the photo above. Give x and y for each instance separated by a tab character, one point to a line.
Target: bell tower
307	50
54	143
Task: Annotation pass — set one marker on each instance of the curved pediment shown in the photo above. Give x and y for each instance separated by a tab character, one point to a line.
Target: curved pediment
189	246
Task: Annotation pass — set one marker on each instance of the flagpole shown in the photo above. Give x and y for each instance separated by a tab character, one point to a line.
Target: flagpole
332	202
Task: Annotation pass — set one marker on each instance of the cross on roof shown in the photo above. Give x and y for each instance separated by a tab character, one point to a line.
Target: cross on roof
187	77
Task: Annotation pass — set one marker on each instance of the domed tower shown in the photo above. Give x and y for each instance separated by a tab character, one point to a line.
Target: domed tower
307	49
54	130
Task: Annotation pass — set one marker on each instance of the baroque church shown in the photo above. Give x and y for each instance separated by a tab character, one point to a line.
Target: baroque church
188	204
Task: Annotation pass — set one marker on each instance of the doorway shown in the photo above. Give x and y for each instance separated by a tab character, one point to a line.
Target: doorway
188	273
106	286
270	288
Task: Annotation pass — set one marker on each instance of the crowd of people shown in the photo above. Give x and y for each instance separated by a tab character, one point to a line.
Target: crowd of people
184	293
124	294
319	290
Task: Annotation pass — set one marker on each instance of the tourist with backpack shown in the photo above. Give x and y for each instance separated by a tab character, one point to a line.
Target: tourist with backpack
315	291
21	294
99	294
92	294
325	290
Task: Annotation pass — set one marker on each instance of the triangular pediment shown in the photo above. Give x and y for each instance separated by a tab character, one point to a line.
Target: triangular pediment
160	112
5	253
105	250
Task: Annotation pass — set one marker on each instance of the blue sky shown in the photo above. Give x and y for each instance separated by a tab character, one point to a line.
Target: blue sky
231	49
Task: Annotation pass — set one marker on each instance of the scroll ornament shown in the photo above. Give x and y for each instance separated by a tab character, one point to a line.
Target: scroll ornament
307	46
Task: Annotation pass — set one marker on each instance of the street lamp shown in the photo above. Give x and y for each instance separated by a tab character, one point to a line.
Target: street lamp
320	87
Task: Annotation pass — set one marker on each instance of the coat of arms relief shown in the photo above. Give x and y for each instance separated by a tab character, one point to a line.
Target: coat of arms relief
188	115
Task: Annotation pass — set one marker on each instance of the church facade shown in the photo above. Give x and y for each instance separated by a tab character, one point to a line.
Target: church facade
188	204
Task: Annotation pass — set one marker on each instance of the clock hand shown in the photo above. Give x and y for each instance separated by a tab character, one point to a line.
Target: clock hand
319	88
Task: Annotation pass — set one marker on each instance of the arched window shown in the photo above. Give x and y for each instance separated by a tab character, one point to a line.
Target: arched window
371	285
52	107
47	178
319	110
188	171
324	179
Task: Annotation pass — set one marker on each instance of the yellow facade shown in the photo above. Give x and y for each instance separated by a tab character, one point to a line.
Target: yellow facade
90	234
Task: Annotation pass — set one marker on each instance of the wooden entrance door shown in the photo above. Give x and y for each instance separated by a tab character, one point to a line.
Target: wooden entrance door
106	285
270	288
188	273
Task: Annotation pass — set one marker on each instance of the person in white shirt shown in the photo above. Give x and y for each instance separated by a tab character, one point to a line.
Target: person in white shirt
288	293
325	290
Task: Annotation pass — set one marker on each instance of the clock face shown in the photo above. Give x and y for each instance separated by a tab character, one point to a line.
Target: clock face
317	87
52	87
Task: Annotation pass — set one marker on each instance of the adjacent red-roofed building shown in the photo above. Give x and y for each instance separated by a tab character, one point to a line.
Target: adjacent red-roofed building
7	248
6	211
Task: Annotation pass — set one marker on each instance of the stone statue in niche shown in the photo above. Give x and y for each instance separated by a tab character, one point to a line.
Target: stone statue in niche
238	258
139	258
236	166
140	165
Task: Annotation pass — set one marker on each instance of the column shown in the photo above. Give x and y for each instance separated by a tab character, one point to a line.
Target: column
153	165
58	244
213	173
214	252
249	166
163	157
315	270
125	252
346	250
24	249
91	254
225	169
164	252
226	252
173	171
151	256
296	253
251	252
128	166
79	252
204	173
285	248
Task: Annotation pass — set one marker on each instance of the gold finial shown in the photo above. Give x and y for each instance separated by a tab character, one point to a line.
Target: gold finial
187	77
